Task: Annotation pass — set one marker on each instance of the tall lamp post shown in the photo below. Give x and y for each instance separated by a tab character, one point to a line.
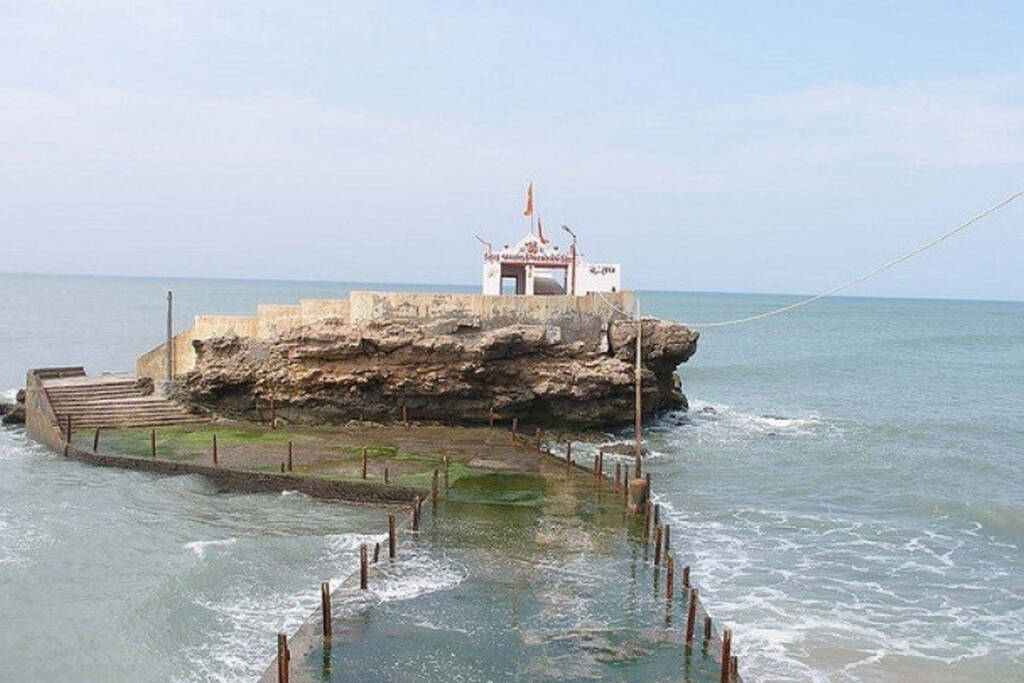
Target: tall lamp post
572	283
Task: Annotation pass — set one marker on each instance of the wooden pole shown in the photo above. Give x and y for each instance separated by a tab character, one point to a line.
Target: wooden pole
214	449
625	485
170	336
289	456
282	468
363	567
391	536
364	461
670	577
726	655
96	441
647	520
734	666
638	399
595	465
325	607
282	658
433	491
691	616
600	465
152	442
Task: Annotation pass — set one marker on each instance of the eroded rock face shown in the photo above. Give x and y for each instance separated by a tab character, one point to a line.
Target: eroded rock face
450	371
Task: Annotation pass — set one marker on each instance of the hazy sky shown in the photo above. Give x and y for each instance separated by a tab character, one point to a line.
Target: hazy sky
707	146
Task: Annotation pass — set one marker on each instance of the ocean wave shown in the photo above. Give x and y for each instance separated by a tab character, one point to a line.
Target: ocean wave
199	547
874	592
723	421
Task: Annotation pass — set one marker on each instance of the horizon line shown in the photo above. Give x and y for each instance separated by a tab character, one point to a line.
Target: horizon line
465	285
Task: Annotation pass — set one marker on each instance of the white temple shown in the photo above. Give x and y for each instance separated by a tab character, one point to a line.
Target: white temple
537	266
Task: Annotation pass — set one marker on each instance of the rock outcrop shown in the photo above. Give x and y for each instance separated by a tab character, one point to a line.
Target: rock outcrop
13	413
450	371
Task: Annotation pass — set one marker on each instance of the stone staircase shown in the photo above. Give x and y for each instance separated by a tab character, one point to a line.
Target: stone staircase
110	401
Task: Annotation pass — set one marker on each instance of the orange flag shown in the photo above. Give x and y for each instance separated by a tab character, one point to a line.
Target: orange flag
528	211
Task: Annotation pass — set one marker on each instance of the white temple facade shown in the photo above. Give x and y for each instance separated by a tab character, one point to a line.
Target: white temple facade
535	266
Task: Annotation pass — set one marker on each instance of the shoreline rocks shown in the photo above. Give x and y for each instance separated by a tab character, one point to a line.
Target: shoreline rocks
451	371
13	413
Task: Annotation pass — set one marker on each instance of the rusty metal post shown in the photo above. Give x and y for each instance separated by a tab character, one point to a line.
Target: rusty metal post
364	462
152	442
670	577
636	495
686	576
447	466
325	607
568	451
214	449
618	475
96	441
376	552
405	415
657	545
363	567
282	658
387	477
707	628
666	535
289	456
657	514
67	430
691	616
416	515
726	655
433	491
391	536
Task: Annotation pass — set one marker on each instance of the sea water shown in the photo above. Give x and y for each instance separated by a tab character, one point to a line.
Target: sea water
847	486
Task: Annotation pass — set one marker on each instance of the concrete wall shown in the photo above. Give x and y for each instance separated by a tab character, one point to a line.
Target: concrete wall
491	310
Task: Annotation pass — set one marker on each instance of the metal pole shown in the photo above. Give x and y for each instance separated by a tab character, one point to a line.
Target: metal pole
638	409
170	336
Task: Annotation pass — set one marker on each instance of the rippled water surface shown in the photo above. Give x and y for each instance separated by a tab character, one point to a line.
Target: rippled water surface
847	486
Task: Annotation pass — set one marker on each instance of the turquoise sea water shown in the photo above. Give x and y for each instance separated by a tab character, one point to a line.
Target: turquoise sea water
847	485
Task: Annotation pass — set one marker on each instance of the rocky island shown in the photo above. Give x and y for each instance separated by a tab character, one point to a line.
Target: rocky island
448	369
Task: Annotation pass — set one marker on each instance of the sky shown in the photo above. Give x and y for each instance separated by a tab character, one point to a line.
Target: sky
751	147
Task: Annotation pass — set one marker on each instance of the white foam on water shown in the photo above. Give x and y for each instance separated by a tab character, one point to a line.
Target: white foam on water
796	585
199	547
723	421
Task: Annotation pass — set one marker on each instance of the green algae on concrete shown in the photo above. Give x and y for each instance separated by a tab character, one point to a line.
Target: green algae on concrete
518	576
